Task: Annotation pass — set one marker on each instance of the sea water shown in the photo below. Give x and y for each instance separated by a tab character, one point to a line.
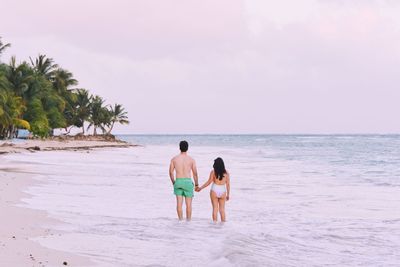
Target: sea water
304	200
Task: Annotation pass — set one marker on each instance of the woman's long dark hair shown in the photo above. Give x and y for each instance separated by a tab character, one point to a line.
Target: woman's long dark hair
219	168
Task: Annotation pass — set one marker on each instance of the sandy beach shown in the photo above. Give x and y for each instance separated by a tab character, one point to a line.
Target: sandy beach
21	225
59	144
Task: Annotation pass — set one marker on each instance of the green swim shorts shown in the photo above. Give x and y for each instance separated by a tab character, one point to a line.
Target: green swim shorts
183	187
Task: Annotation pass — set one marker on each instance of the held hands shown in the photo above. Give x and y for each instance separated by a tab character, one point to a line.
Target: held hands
197	188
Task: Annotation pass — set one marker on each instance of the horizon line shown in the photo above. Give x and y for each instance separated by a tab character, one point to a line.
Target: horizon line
193	134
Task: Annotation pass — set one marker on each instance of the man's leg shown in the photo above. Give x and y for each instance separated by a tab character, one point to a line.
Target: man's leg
188	202
179	202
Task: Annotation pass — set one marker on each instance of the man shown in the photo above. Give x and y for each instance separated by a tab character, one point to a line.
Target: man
184	166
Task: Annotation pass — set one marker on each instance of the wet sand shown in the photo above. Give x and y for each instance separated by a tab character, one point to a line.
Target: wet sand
19	226
49	145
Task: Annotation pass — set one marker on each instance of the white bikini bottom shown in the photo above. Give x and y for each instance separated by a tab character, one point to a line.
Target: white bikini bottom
218	189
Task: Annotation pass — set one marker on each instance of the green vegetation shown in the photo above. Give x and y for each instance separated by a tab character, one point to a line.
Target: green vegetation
40	96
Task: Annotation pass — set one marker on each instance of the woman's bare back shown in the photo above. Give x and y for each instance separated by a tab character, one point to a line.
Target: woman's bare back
218	181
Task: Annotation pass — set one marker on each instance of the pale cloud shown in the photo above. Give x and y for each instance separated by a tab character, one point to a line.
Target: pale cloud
136	29
225	66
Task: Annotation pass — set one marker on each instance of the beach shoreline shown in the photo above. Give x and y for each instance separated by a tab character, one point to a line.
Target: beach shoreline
74	144
20	226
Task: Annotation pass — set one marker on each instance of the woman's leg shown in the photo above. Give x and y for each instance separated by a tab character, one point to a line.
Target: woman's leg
221	202
214	202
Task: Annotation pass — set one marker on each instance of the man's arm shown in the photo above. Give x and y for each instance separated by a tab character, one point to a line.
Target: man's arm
171	172
195	175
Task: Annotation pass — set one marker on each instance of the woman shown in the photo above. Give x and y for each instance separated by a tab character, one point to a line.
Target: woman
220	189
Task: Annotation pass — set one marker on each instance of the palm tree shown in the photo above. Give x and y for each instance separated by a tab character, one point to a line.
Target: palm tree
99	115
11	110
44	66
63	80
40	96
18	77
3	46
37	117
3	82
83	101
2	98
119	115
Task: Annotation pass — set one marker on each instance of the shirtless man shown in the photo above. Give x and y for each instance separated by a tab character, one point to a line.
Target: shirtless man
184	166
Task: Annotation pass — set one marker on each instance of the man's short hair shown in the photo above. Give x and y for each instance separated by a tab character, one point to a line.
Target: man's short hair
183	146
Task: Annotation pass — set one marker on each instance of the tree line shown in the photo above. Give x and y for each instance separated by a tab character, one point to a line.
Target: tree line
40	96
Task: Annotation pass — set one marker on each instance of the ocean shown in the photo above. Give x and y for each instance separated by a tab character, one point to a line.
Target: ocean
296	200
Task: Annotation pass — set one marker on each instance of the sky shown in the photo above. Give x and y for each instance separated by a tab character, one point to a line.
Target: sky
224	66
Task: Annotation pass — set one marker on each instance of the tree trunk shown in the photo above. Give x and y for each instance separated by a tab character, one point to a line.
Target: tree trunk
109	131
10	132
68	130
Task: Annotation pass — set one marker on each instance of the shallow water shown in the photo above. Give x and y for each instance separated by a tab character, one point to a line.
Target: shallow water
295	201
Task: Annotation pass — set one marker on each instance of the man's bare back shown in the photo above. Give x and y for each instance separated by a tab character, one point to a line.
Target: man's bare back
183	165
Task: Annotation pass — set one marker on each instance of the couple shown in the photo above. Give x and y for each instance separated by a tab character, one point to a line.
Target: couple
180	171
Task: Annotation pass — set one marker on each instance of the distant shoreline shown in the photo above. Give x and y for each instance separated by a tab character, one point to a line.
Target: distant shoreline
70	143
260	134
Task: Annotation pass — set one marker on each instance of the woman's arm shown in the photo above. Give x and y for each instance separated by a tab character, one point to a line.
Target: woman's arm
228	186
210	179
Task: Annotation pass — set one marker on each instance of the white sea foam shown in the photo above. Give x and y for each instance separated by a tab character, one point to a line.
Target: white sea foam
326	201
